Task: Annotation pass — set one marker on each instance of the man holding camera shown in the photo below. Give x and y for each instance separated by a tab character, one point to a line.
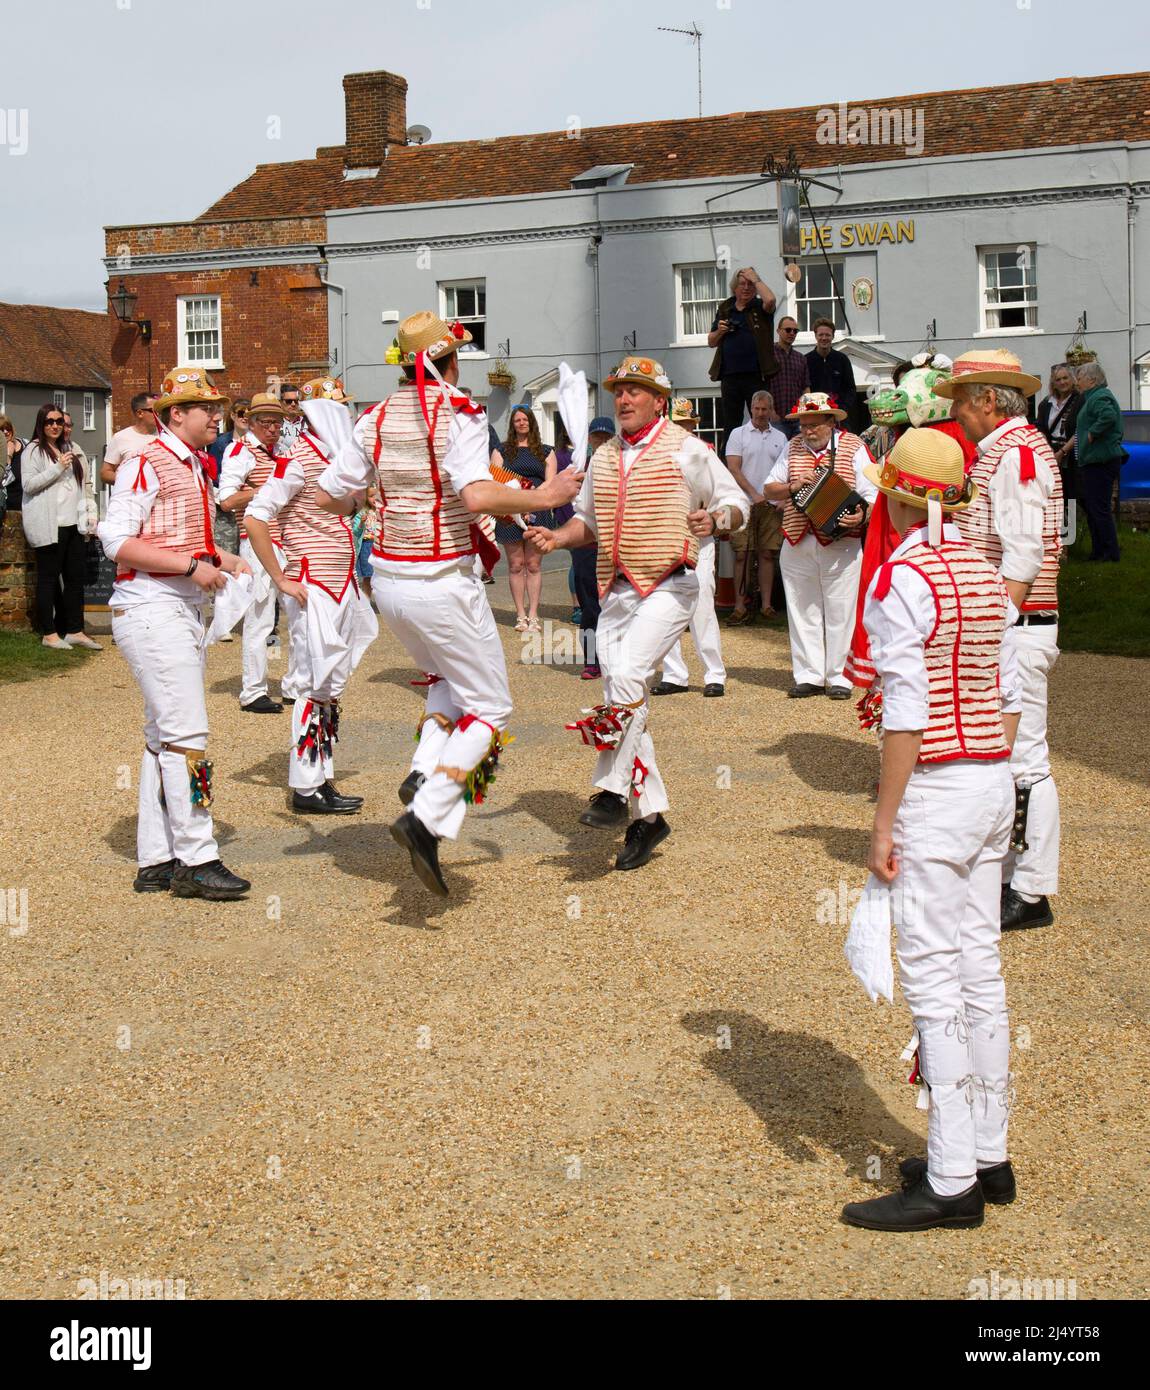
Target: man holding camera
742	335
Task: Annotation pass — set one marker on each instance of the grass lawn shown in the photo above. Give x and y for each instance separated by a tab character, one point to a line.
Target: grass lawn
22	658
1106	608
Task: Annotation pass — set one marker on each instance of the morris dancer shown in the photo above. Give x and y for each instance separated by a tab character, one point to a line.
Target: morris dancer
650	495
330	625
247	465
936	614
1017	525
428	446
820	575
704	624
159	531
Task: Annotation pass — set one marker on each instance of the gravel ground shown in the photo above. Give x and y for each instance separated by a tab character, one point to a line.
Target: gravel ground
565	1082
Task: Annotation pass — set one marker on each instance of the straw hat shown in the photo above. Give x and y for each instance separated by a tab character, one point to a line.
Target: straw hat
428	333
683	412
323	388
263	403
188	386
640	371
814	403
925	466
988	367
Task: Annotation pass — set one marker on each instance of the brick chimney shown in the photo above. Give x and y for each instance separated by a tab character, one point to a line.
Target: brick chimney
376	107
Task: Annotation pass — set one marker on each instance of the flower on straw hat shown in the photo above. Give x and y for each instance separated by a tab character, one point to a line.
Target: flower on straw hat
640	371
682	409
812	403
323	388
924	465
427	333
188	386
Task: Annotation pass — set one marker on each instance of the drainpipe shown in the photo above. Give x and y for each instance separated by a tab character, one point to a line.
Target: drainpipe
341	368
1131	300
597	234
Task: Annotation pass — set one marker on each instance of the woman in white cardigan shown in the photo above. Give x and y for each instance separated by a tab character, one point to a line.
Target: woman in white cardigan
57	515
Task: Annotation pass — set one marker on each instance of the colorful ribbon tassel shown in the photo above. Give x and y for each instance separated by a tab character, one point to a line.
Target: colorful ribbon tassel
199	780
870	709
603	727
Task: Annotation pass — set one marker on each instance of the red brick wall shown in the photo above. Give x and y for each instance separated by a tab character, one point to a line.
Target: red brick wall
173	237
266	327
375	115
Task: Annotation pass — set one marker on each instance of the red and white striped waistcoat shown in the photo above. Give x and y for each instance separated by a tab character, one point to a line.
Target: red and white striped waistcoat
423	517
642	518
319	545
257	476
801	466
962	653
181	519
976	522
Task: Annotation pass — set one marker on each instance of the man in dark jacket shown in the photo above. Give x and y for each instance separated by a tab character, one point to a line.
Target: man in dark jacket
830	370
743	336
1100	456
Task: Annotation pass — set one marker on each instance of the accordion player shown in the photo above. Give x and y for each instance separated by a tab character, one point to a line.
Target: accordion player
826	499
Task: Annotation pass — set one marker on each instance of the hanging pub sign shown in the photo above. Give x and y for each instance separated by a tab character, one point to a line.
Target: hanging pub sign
790	238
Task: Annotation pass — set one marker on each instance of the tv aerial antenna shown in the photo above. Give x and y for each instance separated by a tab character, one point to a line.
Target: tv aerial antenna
695	34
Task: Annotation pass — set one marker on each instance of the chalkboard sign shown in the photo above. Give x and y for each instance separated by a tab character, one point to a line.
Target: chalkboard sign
99	594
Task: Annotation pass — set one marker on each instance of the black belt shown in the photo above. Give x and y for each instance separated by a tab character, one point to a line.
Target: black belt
1037	620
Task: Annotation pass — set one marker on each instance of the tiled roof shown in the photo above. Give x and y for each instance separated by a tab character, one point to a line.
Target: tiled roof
46	346
1064	111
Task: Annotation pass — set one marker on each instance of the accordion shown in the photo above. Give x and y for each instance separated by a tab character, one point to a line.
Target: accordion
825	500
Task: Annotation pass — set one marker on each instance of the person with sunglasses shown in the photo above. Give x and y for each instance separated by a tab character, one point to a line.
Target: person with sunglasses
56	520
793	377
159	531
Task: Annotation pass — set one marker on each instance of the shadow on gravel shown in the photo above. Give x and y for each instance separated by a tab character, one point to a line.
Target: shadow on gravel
768	676
122	836
807	1093
271	772
827	762
229	685
401	676
847	846
589	854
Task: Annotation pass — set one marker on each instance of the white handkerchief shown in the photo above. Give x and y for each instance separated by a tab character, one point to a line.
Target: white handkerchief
572	398
231	603
867	946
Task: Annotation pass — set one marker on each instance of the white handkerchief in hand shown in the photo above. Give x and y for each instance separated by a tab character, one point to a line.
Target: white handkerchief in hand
331	420
231	603
572	397
867	946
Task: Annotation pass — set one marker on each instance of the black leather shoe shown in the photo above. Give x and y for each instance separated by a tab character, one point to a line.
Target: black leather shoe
211	881
917	1208
325	801
154	878
1018	914
997	1183
410	832
714	690
263	705
409	786
605	811
666	688
802	691
839	692
642	837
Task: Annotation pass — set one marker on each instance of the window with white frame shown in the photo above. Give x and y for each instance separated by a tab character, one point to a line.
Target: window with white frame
1008	287
466	301
89	411
60	400
198	327
709	409
815	296
699	290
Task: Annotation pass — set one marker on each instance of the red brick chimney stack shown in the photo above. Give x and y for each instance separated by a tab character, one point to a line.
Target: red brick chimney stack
376	107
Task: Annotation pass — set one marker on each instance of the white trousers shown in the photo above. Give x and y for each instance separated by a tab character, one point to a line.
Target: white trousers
327	640
1035	871
259	621
821	584
704	627
950	835
163	643
446	626
632	640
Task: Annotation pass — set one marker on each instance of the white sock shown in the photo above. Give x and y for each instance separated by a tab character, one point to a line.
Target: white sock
950	1187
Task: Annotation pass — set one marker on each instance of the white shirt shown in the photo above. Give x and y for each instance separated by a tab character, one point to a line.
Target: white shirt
127	512
711	484
757	451
466	460
1018	509
780	469
126	444
234	469
899	626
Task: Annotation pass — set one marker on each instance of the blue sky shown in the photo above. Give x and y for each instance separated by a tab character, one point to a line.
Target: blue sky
148	110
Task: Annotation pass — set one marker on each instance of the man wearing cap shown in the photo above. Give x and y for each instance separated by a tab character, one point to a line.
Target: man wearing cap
158	529
651	493
704	624
427	445
330	624
248	463
1016	524
936	613
820	573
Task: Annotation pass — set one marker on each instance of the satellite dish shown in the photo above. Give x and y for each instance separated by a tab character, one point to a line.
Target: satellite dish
418	135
